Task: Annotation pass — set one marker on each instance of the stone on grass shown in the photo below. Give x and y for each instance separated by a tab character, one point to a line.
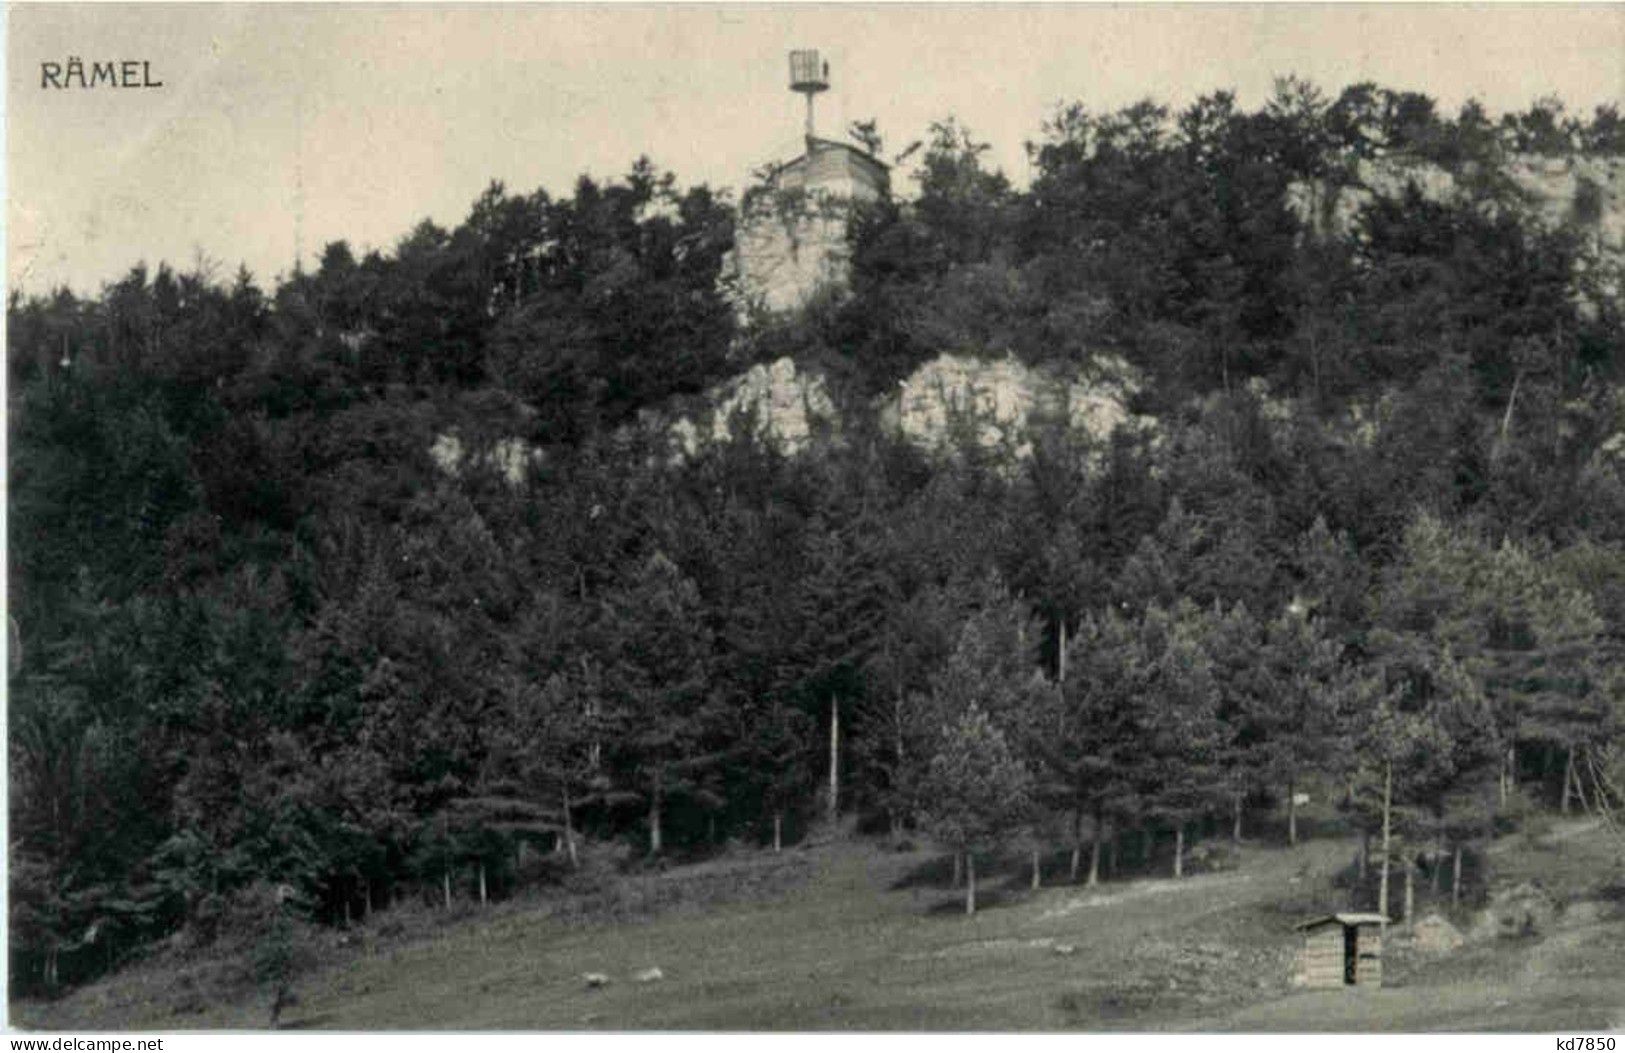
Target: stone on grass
596	979
649	976
1434	934
1522	910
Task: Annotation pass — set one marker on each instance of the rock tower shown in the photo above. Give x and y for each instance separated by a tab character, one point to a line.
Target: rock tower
791	243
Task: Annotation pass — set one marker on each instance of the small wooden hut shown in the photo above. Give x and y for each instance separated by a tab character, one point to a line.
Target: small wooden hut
1341	950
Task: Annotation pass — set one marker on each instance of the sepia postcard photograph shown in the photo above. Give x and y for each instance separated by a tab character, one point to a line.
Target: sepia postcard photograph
783	518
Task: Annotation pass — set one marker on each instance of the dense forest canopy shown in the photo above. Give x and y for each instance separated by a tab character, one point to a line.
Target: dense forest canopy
259	638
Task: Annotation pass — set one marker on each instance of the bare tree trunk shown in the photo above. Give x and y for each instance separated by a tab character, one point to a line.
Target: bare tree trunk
1387	840
897	749
1094	852
1437	863
1506	419
569	831
1410	892
654	816
1235	824
482	883
834	760
778	832
445	877
1037	873
1580	788
1291	812
1568	778
970	883
1060	661
1179	849
595	748
1077	839
1455	881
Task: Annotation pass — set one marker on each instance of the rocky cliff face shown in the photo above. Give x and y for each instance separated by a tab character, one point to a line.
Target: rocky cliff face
789	247
1001	405
511	458
780	404
998	406
1588	192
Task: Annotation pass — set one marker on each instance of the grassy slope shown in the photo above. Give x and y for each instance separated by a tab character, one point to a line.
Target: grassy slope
1567	978
861	943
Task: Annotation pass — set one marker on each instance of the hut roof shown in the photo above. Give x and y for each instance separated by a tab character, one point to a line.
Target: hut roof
816	145
1341	919
862	155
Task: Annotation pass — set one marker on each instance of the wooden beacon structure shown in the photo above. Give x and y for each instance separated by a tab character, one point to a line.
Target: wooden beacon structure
1341	950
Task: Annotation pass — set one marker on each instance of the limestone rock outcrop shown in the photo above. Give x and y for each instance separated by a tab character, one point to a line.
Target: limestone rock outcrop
788	248
511	457
1585	191
997	406
791	242
1001	405
784	406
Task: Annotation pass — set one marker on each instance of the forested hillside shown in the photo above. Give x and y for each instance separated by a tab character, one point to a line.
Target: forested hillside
261	640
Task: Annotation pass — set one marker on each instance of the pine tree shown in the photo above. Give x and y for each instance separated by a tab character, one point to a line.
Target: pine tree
902	717
1181	742
994	666
837	603
1297	710
976	790
657	650
1093	744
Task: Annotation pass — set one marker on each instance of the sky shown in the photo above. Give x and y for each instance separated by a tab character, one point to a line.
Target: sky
281	127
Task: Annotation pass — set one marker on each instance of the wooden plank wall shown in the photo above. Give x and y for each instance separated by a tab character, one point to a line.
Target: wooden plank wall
1321	960
1368	964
